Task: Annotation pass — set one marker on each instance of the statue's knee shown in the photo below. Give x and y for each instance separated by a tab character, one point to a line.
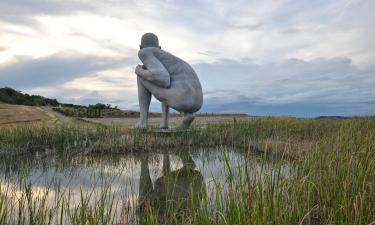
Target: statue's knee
139	80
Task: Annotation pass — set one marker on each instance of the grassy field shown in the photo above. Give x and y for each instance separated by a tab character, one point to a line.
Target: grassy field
11	115
333	178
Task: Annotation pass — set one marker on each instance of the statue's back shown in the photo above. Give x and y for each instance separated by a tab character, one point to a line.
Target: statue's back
175	65
185	91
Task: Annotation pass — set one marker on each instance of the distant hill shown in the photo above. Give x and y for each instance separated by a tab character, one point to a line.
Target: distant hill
11	96
333	117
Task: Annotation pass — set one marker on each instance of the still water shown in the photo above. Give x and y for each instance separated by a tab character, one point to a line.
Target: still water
128	182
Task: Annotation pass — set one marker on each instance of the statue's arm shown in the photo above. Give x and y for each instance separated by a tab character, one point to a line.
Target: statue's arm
154	70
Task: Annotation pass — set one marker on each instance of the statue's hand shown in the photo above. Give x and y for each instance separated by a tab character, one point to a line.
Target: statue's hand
143	72
138	69
160	77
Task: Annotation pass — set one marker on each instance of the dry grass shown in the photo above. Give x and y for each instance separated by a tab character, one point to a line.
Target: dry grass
331	182
13	115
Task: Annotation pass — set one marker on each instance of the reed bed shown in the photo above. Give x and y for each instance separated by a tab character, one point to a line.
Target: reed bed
332	180
262	134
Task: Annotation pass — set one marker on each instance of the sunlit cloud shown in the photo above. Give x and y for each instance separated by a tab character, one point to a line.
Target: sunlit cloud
253	53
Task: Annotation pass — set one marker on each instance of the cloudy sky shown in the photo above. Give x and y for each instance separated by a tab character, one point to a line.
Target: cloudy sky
272	57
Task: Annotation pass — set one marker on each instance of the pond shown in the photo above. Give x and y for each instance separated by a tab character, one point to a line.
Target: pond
127	188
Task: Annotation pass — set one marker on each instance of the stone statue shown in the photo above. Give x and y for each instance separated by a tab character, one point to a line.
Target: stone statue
169	79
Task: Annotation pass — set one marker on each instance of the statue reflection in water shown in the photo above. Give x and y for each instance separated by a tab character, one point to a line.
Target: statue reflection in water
176	193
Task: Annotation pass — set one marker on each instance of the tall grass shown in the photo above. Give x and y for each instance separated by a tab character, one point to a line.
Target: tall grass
331	182
121	139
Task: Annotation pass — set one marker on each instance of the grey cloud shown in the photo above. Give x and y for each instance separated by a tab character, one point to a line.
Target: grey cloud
243	26
220	91
52	70
92	97
210	53
255	106
290	87
107	43
290	109
20	11
286	87
230	95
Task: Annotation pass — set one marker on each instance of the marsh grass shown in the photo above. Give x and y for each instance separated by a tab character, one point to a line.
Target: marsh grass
261	134
332	178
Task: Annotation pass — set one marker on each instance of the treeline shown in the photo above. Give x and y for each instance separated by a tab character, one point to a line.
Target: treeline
11	96
95	106
91	111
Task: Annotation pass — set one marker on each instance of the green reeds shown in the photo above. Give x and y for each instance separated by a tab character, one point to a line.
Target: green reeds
332	181
97	138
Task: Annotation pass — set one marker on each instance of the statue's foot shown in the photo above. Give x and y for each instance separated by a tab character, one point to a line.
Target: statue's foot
188	119
141	125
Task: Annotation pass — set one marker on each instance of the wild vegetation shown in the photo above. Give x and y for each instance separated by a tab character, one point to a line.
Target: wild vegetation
11	96
83	111
14	115
93	111
332	179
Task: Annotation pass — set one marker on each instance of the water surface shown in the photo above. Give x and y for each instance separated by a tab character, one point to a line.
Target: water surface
129	181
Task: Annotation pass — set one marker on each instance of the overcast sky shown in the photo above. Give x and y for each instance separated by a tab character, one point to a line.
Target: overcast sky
281	57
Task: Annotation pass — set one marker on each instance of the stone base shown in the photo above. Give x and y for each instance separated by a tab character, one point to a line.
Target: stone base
168	131
176	130
171	130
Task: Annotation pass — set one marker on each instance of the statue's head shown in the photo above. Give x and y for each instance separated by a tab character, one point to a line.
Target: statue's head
149	40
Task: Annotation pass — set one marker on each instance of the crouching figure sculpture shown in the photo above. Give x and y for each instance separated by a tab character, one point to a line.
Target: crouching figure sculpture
169	79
